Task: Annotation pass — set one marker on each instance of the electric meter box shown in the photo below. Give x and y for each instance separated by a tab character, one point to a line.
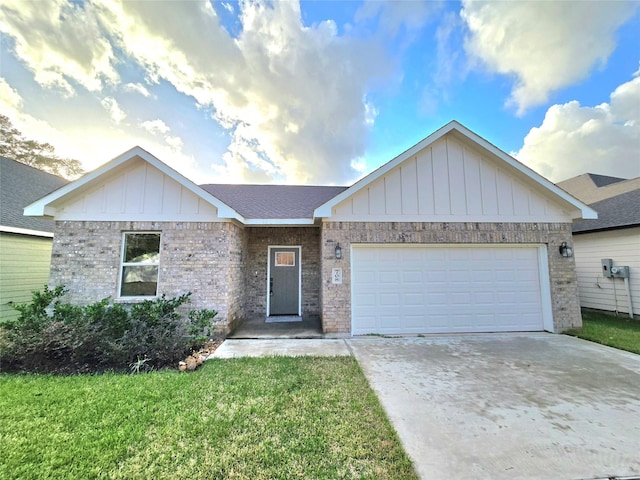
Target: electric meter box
620	272
607	265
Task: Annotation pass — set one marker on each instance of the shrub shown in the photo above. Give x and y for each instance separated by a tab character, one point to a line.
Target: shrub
51	336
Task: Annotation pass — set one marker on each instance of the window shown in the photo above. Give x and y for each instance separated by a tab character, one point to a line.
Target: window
285	259
140	261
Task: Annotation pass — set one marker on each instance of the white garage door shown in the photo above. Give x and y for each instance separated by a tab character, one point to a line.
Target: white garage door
400	289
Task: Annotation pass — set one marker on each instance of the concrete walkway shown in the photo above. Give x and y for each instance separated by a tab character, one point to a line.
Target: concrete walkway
281	347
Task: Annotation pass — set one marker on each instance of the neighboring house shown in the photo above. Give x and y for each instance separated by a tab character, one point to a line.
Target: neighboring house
590	188
25	242
453	235
614	235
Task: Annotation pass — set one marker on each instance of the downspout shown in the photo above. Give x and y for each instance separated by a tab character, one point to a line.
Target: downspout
626	285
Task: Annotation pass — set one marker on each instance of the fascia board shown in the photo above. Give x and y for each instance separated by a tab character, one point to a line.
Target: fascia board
271	222
25	231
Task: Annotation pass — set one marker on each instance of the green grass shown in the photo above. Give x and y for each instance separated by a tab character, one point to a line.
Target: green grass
248	418
620	332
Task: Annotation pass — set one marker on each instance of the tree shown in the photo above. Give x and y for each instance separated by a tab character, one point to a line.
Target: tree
33	153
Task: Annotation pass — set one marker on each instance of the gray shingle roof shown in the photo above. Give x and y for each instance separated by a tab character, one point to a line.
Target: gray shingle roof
273	201
21	185
617	212
604	180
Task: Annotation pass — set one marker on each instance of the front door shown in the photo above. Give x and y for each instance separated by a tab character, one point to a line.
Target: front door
284	281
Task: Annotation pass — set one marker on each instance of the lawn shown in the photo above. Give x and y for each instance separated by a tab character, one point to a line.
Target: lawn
620	332
247	418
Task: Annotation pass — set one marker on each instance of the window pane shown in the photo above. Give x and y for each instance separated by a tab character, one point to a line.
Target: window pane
285	259
139	281
142	247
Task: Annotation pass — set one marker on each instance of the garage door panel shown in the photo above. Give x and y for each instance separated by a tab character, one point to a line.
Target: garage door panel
365	300
409	299
390	299
412	276
427	289
389	322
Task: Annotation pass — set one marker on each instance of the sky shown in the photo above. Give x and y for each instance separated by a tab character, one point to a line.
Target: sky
323	92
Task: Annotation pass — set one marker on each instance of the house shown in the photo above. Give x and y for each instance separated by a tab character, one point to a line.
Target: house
25	242
453	235
590	187
615	236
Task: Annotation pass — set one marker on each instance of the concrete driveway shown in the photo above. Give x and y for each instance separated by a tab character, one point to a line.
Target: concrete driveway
534	406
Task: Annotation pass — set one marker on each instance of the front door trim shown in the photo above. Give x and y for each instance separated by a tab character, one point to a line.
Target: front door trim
298	266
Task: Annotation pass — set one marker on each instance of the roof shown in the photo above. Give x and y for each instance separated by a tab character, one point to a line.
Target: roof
591	188
621	211
20	185
604	180
273	201
580	210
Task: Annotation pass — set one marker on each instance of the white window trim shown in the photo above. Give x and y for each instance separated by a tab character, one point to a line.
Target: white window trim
138	264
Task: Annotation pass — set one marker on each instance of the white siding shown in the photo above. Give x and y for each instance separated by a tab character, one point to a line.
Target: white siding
139	192
450	181
597	291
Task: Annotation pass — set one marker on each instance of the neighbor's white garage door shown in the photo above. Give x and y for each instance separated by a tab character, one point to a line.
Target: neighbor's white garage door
400	289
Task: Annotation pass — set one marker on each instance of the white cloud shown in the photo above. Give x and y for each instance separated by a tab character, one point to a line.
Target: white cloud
137	88
573	139
158	127
174	142
115	112
59	42
155	126
9	98
545	45
11	105
89	144
291	96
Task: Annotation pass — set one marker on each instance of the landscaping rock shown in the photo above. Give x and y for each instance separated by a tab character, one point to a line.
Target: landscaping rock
196	359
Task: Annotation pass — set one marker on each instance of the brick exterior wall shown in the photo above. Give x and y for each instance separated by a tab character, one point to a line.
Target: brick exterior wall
225	265
203	258
336	299
259	240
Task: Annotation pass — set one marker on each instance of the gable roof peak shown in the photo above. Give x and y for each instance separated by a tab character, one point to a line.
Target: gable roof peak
44	206
580	209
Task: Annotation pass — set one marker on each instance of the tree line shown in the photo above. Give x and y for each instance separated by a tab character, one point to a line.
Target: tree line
39	155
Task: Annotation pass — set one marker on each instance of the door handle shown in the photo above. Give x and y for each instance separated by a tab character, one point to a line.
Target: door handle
271	286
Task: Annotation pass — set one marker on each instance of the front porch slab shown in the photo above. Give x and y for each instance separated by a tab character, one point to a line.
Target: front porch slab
309	327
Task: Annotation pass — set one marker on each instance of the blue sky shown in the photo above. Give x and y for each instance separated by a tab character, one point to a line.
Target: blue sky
323	92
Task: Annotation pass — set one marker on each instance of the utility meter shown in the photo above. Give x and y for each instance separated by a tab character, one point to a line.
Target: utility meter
620	272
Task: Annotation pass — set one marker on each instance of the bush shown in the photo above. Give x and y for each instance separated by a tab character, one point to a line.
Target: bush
52	336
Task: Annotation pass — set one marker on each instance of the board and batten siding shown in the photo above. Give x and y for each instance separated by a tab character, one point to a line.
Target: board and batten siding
597	291
449	181
139	192
24	267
